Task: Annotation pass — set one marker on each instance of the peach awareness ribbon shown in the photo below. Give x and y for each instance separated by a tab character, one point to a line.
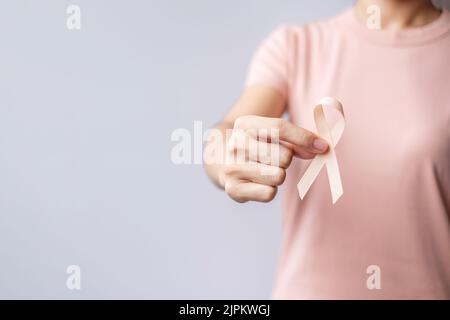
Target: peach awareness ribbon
329	159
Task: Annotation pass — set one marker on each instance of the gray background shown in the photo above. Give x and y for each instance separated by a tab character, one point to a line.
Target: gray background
85	171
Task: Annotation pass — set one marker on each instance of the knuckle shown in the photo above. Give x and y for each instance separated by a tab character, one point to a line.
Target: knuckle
263	157
268	194
231	188
280	176
232	170
236	146
280	124
286	158
228	170
238	122
230	148
238	138
241	121
276	176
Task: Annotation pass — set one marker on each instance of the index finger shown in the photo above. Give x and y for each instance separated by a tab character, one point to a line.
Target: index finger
287	131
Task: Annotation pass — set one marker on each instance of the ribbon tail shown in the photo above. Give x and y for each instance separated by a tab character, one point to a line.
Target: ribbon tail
310	175
334	176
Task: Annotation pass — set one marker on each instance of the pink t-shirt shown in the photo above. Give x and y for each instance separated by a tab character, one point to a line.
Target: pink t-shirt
394	159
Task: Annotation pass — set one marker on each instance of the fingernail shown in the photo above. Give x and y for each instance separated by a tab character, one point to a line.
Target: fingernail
320	145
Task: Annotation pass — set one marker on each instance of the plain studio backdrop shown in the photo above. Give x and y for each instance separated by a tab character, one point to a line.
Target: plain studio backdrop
86	176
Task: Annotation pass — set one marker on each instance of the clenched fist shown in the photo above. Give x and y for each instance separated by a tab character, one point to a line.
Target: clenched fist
258	152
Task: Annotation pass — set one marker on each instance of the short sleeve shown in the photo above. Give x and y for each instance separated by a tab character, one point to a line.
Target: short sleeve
268	65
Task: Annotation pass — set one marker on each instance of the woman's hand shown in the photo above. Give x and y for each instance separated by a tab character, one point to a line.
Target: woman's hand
260	146
258	152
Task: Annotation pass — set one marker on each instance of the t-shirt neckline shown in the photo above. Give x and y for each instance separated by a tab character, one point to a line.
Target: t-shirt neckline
405	37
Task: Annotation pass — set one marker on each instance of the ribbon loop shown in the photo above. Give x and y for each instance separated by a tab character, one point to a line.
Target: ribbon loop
329	159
